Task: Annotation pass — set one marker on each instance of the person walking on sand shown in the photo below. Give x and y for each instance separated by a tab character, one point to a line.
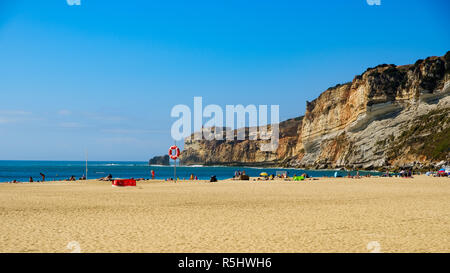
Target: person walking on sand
31	179
43	177
153	174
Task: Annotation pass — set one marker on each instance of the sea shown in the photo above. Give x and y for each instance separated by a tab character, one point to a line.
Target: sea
60	170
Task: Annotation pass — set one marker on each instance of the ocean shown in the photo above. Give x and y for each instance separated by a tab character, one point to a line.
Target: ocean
60	170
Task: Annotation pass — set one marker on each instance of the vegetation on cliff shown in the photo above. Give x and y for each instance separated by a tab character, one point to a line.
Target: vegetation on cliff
428	137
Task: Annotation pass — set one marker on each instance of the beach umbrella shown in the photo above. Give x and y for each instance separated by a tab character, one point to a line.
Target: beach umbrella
442	170
263	174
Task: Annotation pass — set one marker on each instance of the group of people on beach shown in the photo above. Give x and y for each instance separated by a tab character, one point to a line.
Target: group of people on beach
402	173
193	177
241	175
238	173
407	173
31	179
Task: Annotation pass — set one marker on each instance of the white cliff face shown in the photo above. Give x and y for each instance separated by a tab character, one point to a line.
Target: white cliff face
346	124
362	148
390	128
357	124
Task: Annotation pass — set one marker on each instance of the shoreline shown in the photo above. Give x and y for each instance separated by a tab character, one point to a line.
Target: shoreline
63	170
251	179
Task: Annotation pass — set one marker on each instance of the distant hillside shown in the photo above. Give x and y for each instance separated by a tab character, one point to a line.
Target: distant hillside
159	160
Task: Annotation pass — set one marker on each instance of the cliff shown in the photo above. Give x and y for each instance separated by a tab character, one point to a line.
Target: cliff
388	116
243	152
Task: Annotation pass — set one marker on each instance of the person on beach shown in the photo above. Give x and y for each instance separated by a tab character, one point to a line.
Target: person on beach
31	179
43	177
153	174
107	178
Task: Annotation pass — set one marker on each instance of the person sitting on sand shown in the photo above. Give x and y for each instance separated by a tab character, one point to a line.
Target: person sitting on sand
43	177
107	178
72	178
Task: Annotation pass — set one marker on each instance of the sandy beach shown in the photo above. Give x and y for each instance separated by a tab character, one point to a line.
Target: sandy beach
325	215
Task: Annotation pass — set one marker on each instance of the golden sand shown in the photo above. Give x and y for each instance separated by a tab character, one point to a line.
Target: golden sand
327	215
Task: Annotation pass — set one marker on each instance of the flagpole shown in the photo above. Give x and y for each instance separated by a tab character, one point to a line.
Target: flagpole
175	167
86	164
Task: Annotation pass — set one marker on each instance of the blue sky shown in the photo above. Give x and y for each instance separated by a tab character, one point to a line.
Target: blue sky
104	75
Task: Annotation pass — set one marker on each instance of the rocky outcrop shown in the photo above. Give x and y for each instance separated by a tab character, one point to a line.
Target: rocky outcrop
243	152
388	116
159	160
